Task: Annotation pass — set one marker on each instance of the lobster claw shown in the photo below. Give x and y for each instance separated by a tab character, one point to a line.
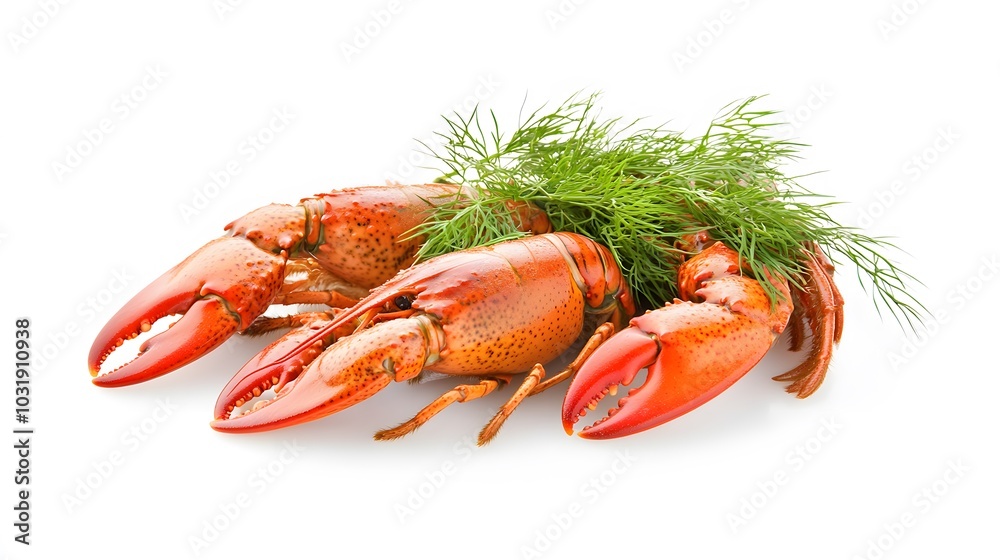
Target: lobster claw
689	358
311	382
220	289
694	350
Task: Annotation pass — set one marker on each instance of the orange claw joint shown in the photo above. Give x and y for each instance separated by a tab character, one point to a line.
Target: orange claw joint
220	289
353	369
694	348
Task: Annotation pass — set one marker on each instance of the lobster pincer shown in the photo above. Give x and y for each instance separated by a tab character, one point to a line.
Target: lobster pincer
703	342
219	290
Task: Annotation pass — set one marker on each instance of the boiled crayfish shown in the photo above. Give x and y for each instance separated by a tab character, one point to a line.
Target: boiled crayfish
488	313
329	249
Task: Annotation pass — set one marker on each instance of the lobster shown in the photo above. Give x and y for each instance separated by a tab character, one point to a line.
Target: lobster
489	313
329	249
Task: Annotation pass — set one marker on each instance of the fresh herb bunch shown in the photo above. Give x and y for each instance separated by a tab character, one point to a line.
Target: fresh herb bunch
638	190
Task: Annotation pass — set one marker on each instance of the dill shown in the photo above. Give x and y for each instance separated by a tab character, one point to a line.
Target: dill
638	190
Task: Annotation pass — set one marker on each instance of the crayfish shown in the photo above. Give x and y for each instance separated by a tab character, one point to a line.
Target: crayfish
488	313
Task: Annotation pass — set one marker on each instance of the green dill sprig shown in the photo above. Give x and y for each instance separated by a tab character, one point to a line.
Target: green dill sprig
639	190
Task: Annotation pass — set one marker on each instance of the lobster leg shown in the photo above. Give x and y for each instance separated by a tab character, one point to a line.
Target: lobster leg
797	322
533	383
823	264
461	393
492	427
822	307
306	282
265	325
602	334
331	298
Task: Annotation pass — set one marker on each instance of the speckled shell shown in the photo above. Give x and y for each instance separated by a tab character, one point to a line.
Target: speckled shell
507	307
363	229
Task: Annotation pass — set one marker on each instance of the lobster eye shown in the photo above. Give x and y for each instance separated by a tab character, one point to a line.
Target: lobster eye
403	302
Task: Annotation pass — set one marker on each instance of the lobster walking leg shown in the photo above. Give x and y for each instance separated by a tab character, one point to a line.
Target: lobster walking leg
306	282
822	308
602	333
330	298
461	393
533	383
265	325
492	427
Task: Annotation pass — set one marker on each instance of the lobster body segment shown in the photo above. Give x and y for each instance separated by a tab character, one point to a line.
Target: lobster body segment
362	237
507	307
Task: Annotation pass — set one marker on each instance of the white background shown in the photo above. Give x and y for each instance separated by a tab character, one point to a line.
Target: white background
868	96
